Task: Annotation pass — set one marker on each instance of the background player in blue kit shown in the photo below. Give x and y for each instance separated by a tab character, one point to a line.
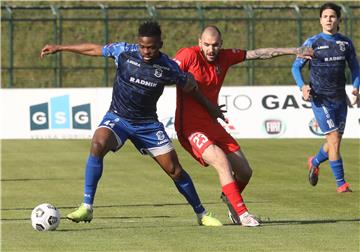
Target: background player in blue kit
326	90
142	73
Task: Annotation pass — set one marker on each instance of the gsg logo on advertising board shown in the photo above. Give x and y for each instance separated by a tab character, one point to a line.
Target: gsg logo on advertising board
59	115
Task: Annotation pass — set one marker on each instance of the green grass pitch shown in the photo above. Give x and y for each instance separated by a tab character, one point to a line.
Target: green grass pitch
137	207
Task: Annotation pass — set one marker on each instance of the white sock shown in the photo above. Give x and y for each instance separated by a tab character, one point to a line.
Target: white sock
243	215
88	206
200	215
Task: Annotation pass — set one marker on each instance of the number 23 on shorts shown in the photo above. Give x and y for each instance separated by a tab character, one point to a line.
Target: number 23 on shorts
199	141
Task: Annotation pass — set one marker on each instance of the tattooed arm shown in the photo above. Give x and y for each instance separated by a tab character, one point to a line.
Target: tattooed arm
267	53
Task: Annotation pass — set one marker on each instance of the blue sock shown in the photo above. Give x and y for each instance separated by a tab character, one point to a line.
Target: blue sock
338	171
93	172
320	157
187	188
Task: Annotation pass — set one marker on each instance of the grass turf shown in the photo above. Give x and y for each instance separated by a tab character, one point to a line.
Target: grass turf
138	208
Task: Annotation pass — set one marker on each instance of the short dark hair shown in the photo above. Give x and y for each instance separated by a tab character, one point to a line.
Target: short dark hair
332	6
149	29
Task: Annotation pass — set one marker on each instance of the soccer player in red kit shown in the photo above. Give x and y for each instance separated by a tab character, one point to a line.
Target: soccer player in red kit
202	136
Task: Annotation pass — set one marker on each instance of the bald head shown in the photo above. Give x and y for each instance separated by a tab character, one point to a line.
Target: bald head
210	42
211	30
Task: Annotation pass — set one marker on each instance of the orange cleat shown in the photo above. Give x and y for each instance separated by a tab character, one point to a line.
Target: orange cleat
344	188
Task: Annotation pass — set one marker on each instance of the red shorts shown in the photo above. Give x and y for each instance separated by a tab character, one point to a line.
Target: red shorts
197	139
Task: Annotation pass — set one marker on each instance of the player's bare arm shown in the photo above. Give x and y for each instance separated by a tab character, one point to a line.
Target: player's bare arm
267	53
356	98
306	92
214	110
191	84
85	49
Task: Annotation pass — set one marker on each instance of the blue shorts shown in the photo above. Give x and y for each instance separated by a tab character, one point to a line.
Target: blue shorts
330	116
148	137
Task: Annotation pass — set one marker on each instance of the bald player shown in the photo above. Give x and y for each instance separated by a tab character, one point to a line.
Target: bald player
203	137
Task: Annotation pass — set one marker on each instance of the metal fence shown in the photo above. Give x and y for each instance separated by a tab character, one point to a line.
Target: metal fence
25	29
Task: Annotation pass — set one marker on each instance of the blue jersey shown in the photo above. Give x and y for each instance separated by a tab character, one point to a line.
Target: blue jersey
327	68
138	85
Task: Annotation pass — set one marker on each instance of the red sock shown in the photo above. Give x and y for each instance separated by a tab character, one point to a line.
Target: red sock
241	185
232	193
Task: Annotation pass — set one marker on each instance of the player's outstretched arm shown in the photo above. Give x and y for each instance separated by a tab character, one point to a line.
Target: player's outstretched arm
214	110
85	49
192	87
267	53
191	83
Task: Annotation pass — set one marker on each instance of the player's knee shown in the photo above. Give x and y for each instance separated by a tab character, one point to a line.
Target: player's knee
250	172
98	147
175	172
246	174
333	142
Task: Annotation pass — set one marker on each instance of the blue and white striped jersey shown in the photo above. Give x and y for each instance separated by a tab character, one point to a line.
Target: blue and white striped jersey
138	85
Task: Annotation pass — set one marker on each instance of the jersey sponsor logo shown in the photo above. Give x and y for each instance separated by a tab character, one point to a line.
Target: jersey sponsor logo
322	47
161	137
342	45
158	72
142	82
58	115
161	67
335	58
132	62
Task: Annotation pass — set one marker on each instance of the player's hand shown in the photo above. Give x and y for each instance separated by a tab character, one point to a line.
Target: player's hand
355	93
304	52
49	49
306	92
218	112
191	84
222	111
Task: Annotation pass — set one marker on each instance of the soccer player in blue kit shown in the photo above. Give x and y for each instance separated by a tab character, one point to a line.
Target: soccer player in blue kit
326	90
142	73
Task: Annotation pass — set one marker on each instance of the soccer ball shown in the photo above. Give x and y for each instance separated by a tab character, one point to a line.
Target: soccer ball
45	217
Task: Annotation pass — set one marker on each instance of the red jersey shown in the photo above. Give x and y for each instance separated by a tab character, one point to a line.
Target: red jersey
209	76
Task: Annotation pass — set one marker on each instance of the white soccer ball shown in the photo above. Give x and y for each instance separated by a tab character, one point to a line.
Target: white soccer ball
45	217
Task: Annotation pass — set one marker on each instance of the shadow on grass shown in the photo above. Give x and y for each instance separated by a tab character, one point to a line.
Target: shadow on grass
103	218
305	222
117	206
36	179
264	223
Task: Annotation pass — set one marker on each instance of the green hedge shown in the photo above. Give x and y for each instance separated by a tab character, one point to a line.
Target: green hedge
180	28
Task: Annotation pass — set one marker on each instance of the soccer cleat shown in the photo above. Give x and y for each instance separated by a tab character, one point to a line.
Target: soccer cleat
248	220
209	220
313	172
81	214
344	188
233	219
233	216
